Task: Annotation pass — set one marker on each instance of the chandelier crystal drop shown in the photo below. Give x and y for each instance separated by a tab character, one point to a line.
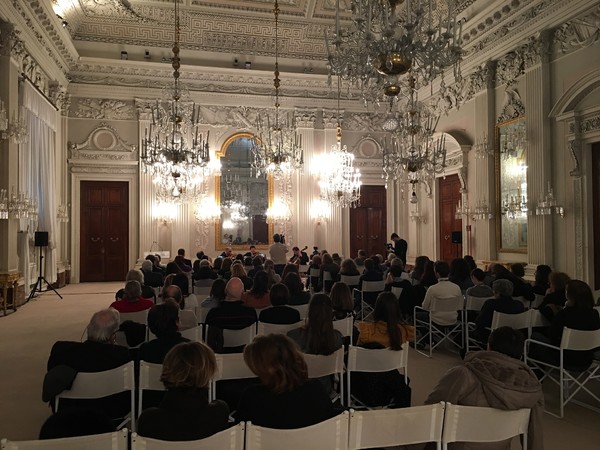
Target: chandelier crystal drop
174	150
277	146
388	38
412	154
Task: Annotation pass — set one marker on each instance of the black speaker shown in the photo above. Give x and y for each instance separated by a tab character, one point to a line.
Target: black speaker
41	239
457	237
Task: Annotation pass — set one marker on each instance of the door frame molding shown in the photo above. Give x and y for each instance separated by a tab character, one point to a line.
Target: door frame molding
94	160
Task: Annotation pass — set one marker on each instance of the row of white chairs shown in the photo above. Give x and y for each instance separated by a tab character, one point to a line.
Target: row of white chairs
441	423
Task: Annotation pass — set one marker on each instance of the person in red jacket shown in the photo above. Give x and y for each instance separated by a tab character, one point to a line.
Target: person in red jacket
132	300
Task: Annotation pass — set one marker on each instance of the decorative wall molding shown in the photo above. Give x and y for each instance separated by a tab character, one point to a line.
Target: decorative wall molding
513	105
106	109
578	33
102	144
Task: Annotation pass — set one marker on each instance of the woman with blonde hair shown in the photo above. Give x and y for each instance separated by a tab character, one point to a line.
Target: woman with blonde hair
185	414
238	270
286	398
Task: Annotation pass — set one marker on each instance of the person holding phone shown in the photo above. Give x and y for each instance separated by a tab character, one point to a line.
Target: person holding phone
399	247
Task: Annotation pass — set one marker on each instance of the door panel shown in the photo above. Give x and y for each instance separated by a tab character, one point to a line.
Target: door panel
104	230
368	222
449	198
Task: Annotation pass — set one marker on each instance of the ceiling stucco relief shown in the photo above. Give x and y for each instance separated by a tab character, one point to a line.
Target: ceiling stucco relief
90	108
578	33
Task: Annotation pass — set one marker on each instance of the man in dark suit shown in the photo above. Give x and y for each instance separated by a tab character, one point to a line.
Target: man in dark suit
181	252
151	278
400	247
97	354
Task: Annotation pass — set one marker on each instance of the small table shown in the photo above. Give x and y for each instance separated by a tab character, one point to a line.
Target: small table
8	280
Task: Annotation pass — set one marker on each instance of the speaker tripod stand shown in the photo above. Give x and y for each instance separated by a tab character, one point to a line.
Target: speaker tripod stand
40	282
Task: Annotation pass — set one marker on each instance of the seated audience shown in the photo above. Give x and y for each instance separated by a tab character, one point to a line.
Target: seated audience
317	336
204	276
151	278
427	279
360	258
315	263
290	268
181	262
298	296
418	269
502	302
542	281
257	264
187	318
156	266
341	301
280	313
556	296
286	398
520	287
479	288
132	300
225	271
232	313
163	321
442	290
74	421
495	378
216	296
137	275
190	302
470	262
387	331
273	276
337	259
348	267
183	259
578	314
397	278
237	270
258	296
460	274
216	267
185	413
299	257
173	268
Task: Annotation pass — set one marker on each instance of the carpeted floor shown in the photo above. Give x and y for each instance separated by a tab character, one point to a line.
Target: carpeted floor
26	338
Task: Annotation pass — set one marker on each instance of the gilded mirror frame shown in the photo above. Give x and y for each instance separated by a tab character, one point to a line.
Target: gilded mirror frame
520	228
219	245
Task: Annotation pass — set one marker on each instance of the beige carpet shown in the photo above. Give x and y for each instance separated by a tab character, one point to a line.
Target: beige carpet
27	336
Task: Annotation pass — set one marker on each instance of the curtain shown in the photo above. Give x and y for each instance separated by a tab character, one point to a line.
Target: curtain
37	176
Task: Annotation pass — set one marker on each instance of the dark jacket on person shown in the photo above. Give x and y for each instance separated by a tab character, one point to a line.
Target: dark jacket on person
504	304
300	298
153	279
281	315
306	405
184	415
154	351
231	315
577	319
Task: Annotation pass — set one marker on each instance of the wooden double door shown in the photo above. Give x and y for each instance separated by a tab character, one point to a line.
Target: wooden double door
450	226
368	222
104	241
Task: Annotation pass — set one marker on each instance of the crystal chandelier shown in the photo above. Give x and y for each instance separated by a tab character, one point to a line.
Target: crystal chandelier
15	130
515	207
17	206
173	150
548	205
412	154
515	141
462	210
482	211
483	149
339	179
388	38
277	147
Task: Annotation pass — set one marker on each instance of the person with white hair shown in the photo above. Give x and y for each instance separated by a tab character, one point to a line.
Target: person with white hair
137	275
132	300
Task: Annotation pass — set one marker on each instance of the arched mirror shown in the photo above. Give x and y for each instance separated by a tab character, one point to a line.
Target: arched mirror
242	197
511	186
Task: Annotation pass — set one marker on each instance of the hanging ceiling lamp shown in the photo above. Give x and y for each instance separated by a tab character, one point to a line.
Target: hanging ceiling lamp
174	151
339	180
277	148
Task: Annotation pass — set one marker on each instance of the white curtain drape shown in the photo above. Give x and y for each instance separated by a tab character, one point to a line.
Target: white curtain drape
37	176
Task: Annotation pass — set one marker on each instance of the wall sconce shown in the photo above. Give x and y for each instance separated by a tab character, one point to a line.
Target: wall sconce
548	205
207	213
164	212
320	211
482	211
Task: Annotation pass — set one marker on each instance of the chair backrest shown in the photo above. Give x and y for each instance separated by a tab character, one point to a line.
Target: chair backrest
373	286
539	298
303	268
201	314
397	291
331	434
327	276
302	309
139	316
230	439
237	338
447	304
580	339
231	366
376	360
268	328
350	280
116	440
537	319
321	365
475	303
149	380
314	273
523	300
394	427
187	319
202	291
193	334
344	326
481	424
518	321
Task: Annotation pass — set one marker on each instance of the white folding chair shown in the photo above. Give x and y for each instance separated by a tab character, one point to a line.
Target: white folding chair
520	298
193	334
472	304
440	332
230	366
344	326
374	360
397	291
314	274
94	385
187	319
268	328
116	440
520	321
230	439
302	309
394	427
539	298
481	424
369	287
303	268
351	280
237	338
149	380
331	434
138	317
569	381
202	292
537	320
321	366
